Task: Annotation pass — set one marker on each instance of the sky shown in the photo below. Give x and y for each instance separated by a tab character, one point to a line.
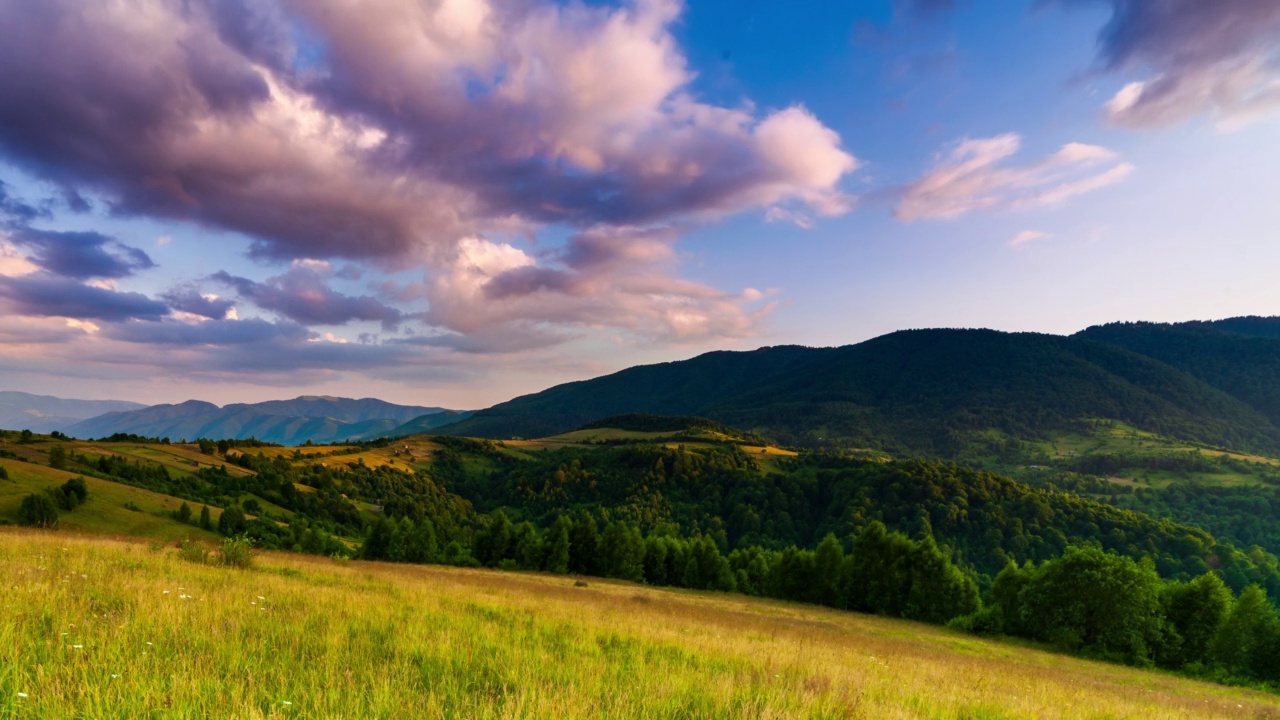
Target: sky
455	202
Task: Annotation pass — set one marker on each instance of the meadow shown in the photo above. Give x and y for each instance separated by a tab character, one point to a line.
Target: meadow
96	628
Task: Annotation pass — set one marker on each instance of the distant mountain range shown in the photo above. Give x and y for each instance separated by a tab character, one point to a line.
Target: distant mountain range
319	419
915	392
932	392
44	413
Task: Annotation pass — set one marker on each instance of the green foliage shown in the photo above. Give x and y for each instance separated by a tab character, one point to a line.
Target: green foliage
232	522
206	519
922	392
236	552
58	457
1194	614
195	552
1097	602
37	510
71	494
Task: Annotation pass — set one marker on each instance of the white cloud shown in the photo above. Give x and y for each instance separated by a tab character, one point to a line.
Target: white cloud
1025	237
976	176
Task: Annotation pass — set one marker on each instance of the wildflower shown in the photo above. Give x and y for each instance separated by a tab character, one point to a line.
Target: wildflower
22	695
261	598
148	644
78	647
285	702
166	592
113	677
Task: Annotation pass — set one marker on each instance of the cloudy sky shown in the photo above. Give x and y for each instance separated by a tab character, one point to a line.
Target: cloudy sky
452	202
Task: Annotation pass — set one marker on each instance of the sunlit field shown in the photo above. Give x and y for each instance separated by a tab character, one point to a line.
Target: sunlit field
93	628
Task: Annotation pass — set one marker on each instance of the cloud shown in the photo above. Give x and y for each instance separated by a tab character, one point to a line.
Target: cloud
397	126
303	294
80	255
925	8
777	214
17	210
1025	237
503	299
974	176
189	299
44	295
1216	58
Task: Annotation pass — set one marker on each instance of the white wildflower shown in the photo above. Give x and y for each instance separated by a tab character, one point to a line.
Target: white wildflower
78	647
22	695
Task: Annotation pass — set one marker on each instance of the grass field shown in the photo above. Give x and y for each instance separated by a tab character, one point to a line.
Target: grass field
105	629
104	511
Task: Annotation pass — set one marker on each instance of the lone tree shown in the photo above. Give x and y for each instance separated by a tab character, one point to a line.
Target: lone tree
37	510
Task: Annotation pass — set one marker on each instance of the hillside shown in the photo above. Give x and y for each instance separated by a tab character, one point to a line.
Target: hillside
316	638
1240	357
925	392
288	422
44	413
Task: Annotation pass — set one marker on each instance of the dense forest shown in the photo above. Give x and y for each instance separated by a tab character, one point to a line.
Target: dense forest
922	393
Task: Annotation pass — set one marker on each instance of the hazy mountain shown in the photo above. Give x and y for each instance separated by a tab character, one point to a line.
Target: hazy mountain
291	422
44	413
918	391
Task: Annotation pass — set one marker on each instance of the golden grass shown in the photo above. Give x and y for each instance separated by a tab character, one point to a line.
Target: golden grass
87	630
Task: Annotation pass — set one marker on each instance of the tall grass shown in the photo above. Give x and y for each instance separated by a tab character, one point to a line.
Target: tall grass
104	629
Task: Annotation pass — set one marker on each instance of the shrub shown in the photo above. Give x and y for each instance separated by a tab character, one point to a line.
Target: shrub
37	510
4	473
194	552
131	505
237	552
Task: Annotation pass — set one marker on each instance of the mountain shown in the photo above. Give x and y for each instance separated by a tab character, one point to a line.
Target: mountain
424	424
921	392
44	413
319	419
1239	356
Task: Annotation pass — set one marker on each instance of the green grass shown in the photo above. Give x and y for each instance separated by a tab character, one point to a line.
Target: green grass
104	512
101	629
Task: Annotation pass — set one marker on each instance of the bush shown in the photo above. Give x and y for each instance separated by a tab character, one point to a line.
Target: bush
37	510
71	494
194	552
4	473
237	552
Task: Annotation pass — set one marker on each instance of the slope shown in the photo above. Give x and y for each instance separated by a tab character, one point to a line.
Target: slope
364	639
1240	356
915	392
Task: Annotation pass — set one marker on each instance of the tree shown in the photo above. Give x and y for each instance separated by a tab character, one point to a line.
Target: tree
37	510
558	546
622	552
381	539
184	513
251	505
1095	601
58	457
1194	613
206	520
828	573
232	521
582	545
72	493
420	546
1242	640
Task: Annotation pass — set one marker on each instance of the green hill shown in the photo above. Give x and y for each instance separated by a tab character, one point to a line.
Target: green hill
921	392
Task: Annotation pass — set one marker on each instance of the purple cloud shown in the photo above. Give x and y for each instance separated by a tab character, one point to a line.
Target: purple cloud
303	294
1221	58
189	299
44	295
80	255
415	127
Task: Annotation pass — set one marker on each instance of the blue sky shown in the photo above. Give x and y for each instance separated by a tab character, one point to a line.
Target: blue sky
452	202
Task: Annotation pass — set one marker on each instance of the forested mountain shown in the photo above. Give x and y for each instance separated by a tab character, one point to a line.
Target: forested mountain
920	392
43	413
1240	356
288	422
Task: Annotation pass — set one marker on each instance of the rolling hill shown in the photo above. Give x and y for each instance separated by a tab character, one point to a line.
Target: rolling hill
319	419
919	392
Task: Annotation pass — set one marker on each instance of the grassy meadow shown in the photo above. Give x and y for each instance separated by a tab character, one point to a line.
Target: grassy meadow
95	628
